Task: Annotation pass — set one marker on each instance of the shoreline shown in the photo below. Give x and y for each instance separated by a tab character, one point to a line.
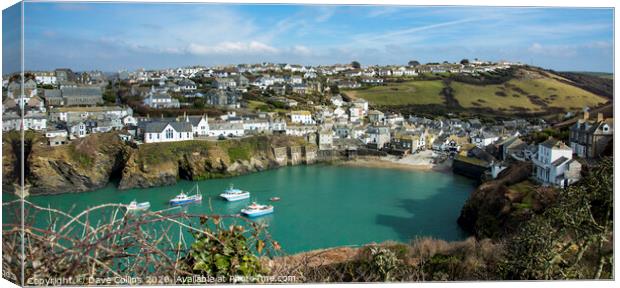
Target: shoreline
413	162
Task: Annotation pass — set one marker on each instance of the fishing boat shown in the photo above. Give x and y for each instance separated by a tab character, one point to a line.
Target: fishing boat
135	206
234	194
183	198
255	210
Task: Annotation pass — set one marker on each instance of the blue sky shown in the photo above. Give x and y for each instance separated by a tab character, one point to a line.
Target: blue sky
110	37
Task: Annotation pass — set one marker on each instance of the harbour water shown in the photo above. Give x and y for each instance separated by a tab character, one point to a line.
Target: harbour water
321	205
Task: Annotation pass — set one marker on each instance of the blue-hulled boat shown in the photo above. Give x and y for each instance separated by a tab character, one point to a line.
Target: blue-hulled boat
183	198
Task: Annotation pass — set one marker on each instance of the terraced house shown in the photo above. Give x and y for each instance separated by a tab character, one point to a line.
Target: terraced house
589	138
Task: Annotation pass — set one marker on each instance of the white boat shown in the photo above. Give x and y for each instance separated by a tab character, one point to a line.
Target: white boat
135	206
255	210
233	194
183	198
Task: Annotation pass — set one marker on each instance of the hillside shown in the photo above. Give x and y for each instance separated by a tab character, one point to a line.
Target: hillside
524	90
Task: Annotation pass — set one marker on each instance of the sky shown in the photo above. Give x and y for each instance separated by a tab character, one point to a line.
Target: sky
115	36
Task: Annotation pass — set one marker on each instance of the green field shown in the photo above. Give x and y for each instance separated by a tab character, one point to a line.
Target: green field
535	95
530	91
405	93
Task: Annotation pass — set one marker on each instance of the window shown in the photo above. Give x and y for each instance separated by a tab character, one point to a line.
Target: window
169	133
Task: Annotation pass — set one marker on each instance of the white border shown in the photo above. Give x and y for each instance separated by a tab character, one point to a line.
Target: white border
513	3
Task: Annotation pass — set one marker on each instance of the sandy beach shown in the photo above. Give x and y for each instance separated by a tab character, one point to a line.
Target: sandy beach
422	161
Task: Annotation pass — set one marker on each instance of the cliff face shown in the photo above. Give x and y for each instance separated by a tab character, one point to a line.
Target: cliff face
85	164
164	163
90	163
497	206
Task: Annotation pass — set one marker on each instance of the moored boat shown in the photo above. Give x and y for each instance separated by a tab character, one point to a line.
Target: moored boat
274	199
135	206
234	194
183	198
255	210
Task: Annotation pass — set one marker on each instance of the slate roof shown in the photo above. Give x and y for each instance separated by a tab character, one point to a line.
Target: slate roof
554	143
80	91
559	161
158	126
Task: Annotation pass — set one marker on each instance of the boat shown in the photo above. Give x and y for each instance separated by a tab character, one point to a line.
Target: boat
183	198
255	210
135	206
233	194
274	199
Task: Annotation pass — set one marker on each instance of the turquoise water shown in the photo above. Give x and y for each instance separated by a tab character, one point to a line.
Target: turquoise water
321	205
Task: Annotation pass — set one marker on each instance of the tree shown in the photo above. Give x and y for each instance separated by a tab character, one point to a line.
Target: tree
414	63
356	64
465	61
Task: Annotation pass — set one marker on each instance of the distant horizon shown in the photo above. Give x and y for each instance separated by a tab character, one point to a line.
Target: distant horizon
228	65
126	36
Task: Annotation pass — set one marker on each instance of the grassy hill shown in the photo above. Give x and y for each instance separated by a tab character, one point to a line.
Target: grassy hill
528	90
405	93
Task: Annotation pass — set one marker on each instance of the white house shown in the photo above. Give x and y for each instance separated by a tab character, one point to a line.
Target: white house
277	125
256	125
161	100
56	133
77	130
355	113
362	104
226	129
554	164
301	116
164	131
483	139
326	139
378	136
200	124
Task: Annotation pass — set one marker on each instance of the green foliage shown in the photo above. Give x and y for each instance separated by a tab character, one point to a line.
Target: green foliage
383	261
227	255
355	64
84	160
442	267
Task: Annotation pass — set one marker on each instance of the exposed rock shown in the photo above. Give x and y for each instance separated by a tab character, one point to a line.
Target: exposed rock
493	209
85	164
90	163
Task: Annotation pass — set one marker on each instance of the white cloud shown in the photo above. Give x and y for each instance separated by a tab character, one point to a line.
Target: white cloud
302	50
252	47
553	50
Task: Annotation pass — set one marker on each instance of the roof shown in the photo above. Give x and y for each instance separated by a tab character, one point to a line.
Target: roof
554	143
195	120
158	126
300	112
559	161
52	93
81	91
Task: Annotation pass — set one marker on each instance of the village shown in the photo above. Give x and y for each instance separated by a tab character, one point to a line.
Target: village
169	105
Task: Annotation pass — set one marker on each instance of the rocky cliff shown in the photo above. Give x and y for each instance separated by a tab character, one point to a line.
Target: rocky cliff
92	162
497	206
85	164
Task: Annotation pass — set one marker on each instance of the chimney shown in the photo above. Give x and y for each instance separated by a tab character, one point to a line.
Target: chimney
586	115
600	117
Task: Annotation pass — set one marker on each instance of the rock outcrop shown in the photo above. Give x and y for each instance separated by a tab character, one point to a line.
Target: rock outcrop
85	164
92	162
495	209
